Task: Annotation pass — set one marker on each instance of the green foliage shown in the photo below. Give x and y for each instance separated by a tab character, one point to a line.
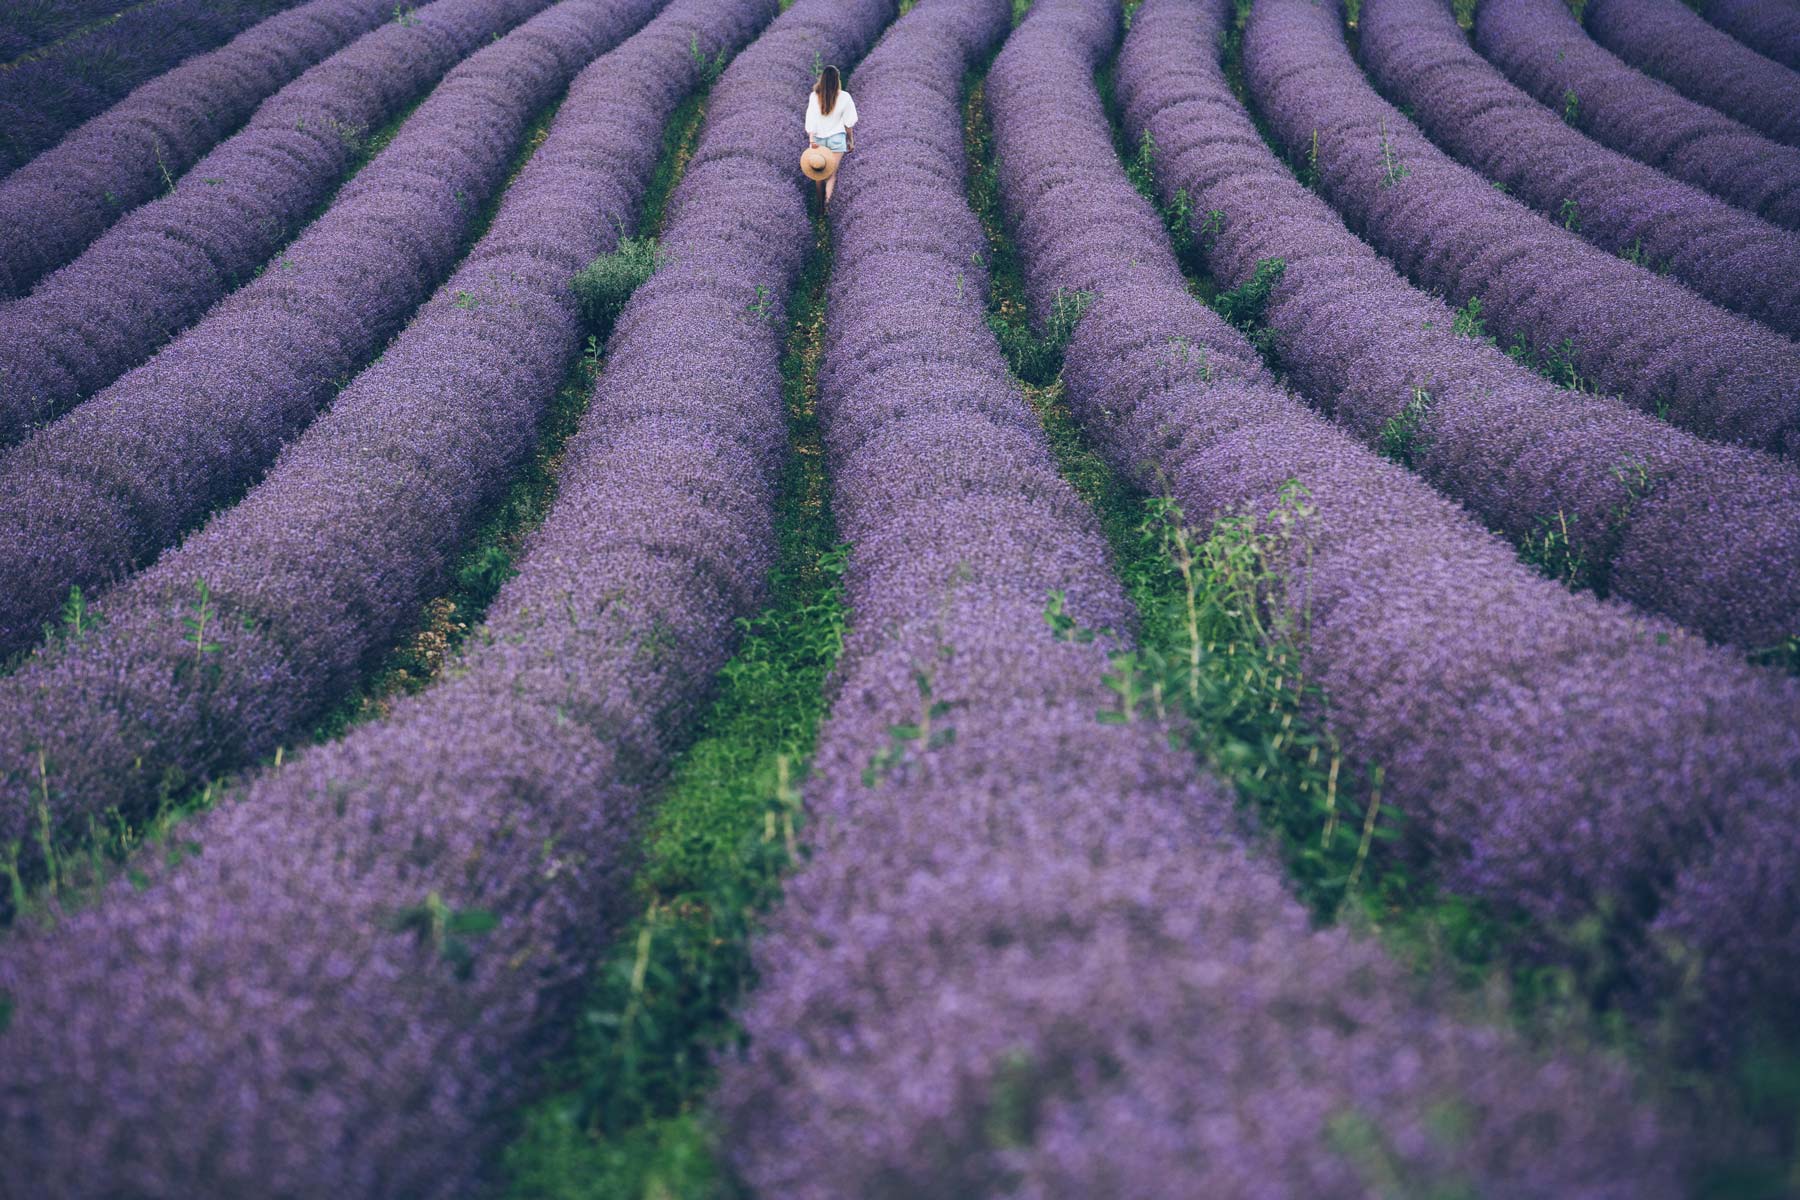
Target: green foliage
1036	355
1244	306
1469	322
1571	109
1393	170
1399	438
605	285
1570	216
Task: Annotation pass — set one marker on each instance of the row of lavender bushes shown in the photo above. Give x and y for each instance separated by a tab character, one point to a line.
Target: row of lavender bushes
359	521
1542	48
1562	759
1027	952
1624	328
95	494
1421	59
1611	498
1768	29
55	205
27	25
163	265
43	98
346	989
1668	41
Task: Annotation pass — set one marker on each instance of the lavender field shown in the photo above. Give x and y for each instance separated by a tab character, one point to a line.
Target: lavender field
1224	621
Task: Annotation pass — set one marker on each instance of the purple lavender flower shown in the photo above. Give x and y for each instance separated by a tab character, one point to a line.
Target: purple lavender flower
97	493
1706	534
1766	28
329	557
1542	49
1421	59
160	267
42	99
1027	953
1667	41
1618	325
1553	755
372	951
63	199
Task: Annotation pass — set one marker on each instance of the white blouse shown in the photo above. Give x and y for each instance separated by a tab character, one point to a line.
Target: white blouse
841	117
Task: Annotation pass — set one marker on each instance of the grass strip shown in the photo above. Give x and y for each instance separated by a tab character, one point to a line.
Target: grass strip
625	1119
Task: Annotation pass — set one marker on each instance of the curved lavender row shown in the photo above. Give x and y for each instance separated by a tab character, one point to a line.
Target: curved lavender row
360	520
1706	534
1666	350
1046	906
1421	59
91	496
63	199
162	266
1552	754
1666	40
317	1004
43	99
1542	49
26	26
1764	27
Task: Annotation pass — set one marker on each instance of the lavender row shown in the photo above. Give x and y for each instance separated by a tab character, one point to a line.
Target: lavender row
93	495
29	24
1421	60
63	199
44	98
1706	534
1542	48
160	267
379	944
1769	29
1029	953
359	522
1551	754
1666	40
1666	350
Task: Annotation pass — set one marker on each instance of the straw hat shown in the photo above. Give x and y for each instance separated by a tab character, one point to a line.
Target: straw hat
817	164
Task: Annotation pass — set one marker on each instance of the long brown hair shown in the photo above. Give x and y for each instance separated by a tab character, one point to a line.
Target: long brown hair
827	90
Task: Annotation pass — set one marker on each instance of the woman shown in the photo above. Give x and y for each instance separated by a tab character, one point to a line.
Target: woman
830	114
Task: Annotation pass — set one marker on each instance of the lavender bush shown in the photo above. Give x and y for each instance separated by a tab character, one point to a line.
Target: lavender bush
360	519
344	992
44	98
1421	59
29	24
1542	48
1703	533
1617	325
1666	40
65	198
1027	954
93	495
1766	28
162	266
1556	756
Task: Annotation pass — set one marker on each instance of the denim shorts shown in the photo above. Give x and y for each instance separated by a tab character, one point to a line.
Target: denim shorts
837	142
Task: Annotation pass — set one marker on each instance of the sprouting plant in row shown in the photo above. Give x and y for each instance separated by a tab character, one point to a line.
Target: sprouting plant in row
1571	110
1036	356
1393	170
604	285
709	66
1245	305
1399	438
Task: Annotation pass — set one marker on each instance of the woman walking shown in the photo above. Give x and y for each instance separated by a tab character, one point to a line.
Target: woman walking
830	114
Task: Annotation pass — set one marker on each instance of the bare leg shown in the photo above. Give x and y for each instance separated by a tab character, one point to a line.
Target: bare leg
828	184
